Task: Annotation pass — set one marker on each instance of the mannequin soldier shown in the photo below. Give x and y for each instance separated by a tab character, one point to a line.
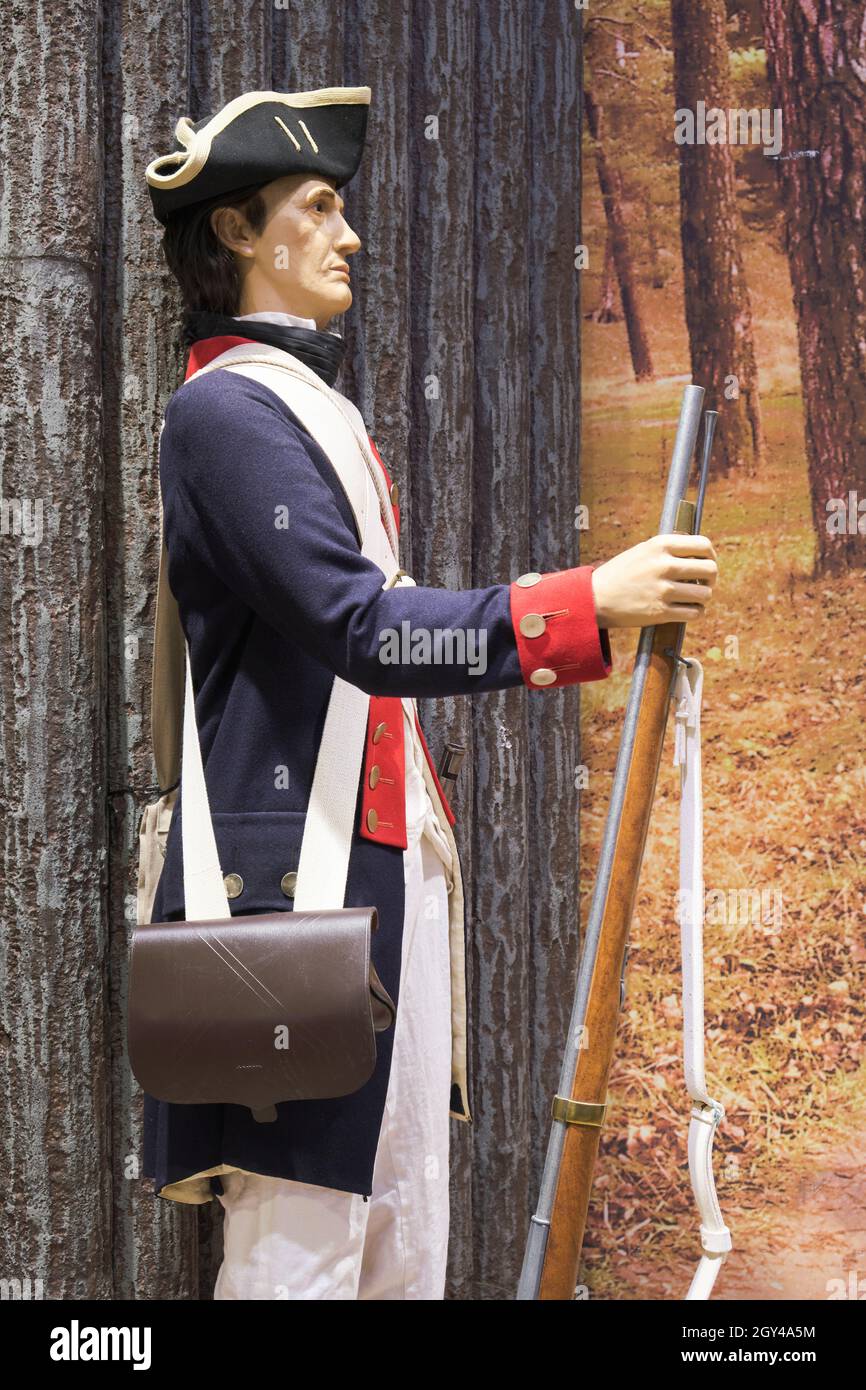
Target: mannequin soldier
343	1198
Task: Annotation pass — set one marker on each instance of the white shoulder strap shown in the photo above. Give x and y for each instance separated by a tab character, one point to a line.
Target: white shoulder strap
322	411
329	827
706	1112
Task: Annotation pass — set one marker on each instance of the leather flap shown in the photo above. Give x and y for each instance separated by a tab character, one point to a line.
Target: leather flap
254	1010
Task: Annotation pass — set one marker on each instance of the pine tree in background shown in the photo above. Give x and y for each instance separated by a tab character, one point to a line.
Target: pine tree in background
718	307
816	60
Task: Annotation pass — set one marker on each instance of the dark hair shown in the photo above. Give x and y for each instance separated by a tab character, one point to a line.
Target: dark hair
204	268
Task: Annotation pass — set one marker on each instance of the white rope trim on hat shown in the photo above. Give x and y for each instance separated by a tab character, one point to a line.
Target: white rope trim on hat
706	1112
197	143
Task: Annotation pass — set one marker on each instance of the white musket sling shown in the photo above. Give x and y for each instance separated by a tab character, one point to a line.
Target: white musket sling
706	1112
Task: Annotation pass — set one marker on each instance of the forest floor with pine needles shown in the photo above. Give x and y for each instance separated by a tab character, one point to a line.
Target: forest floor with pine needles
785	814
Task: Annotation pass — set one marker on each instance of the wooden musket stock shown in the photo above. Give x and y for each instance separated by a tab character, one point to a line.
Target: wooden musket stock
568	1220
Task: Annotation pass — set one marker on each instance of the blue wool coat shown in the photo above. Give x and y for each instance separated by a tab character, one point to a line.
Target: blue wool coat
271	616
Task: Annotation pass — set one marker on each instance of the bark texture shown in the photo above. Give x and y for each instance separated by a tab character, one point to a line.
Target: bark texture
463	356
718	307
816	58
605	311
610	182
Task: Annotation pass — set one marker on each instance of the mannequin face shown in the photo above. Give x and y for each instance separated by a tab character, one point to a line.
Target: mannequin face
297	263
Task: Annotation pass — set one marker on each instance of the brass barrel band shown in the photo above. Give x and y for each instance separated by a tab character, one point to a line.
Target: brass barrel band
578	1112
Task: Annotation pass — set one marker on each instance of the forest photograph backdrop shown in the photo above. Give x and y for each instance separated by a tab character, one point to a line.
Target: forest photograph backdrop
724	162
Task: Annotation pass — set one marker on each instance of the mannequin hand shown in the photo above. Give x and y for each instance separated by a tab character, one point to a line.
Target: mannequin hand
647	585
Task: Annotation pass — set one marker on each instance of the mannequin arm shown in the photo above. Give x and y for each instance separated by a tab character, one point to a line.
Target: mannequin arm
249	496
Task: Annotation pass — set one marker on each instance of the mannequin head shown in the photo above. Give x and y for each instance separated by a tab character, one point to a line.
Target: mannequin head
271	247
294	258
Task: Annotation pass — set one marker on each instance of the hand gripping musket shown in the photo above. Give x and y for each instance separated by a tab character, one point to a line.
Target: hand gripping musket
552	1258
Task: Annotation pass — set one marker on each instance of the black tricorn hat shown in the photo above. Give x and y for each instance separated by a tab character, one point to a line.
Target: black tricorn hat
258	137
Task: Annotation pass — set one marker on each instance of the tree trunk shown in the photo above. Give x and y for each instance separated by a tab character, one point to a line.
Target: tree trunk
605	310
718	308
55	1148
817	66
657	277
610	181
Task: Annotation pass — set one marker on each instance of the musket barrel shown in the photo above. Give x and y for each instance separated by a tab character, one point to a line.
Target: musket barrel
710	421
683	453
564	1193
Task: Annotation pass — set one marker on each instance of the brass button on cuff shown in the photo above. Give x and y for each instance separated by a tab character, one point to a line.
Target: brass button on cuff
379	731
526	581
543	676
234	885
289	882
532	625
375	770
394	494
372	819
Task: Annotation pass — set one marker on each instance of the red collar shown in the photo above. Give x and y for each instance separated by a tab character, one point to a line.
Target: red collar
206	349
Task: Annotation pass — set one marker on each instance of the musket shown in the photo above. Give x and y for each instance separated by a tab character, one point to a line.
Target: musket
552	1258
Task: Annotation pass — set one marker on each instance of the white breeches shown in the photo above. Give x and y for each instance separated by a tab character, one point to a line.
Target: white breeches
288	1240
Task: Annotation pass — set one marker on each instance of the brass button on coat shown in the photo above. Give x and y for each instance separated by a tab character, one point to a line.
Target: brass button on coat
375	770
526	581
288	883
379	731
394	494
234	885
372	819
543	676
532	625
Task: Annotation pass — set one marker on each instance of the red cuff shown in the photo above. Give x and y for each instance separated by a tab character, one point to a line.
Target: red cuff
558	638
